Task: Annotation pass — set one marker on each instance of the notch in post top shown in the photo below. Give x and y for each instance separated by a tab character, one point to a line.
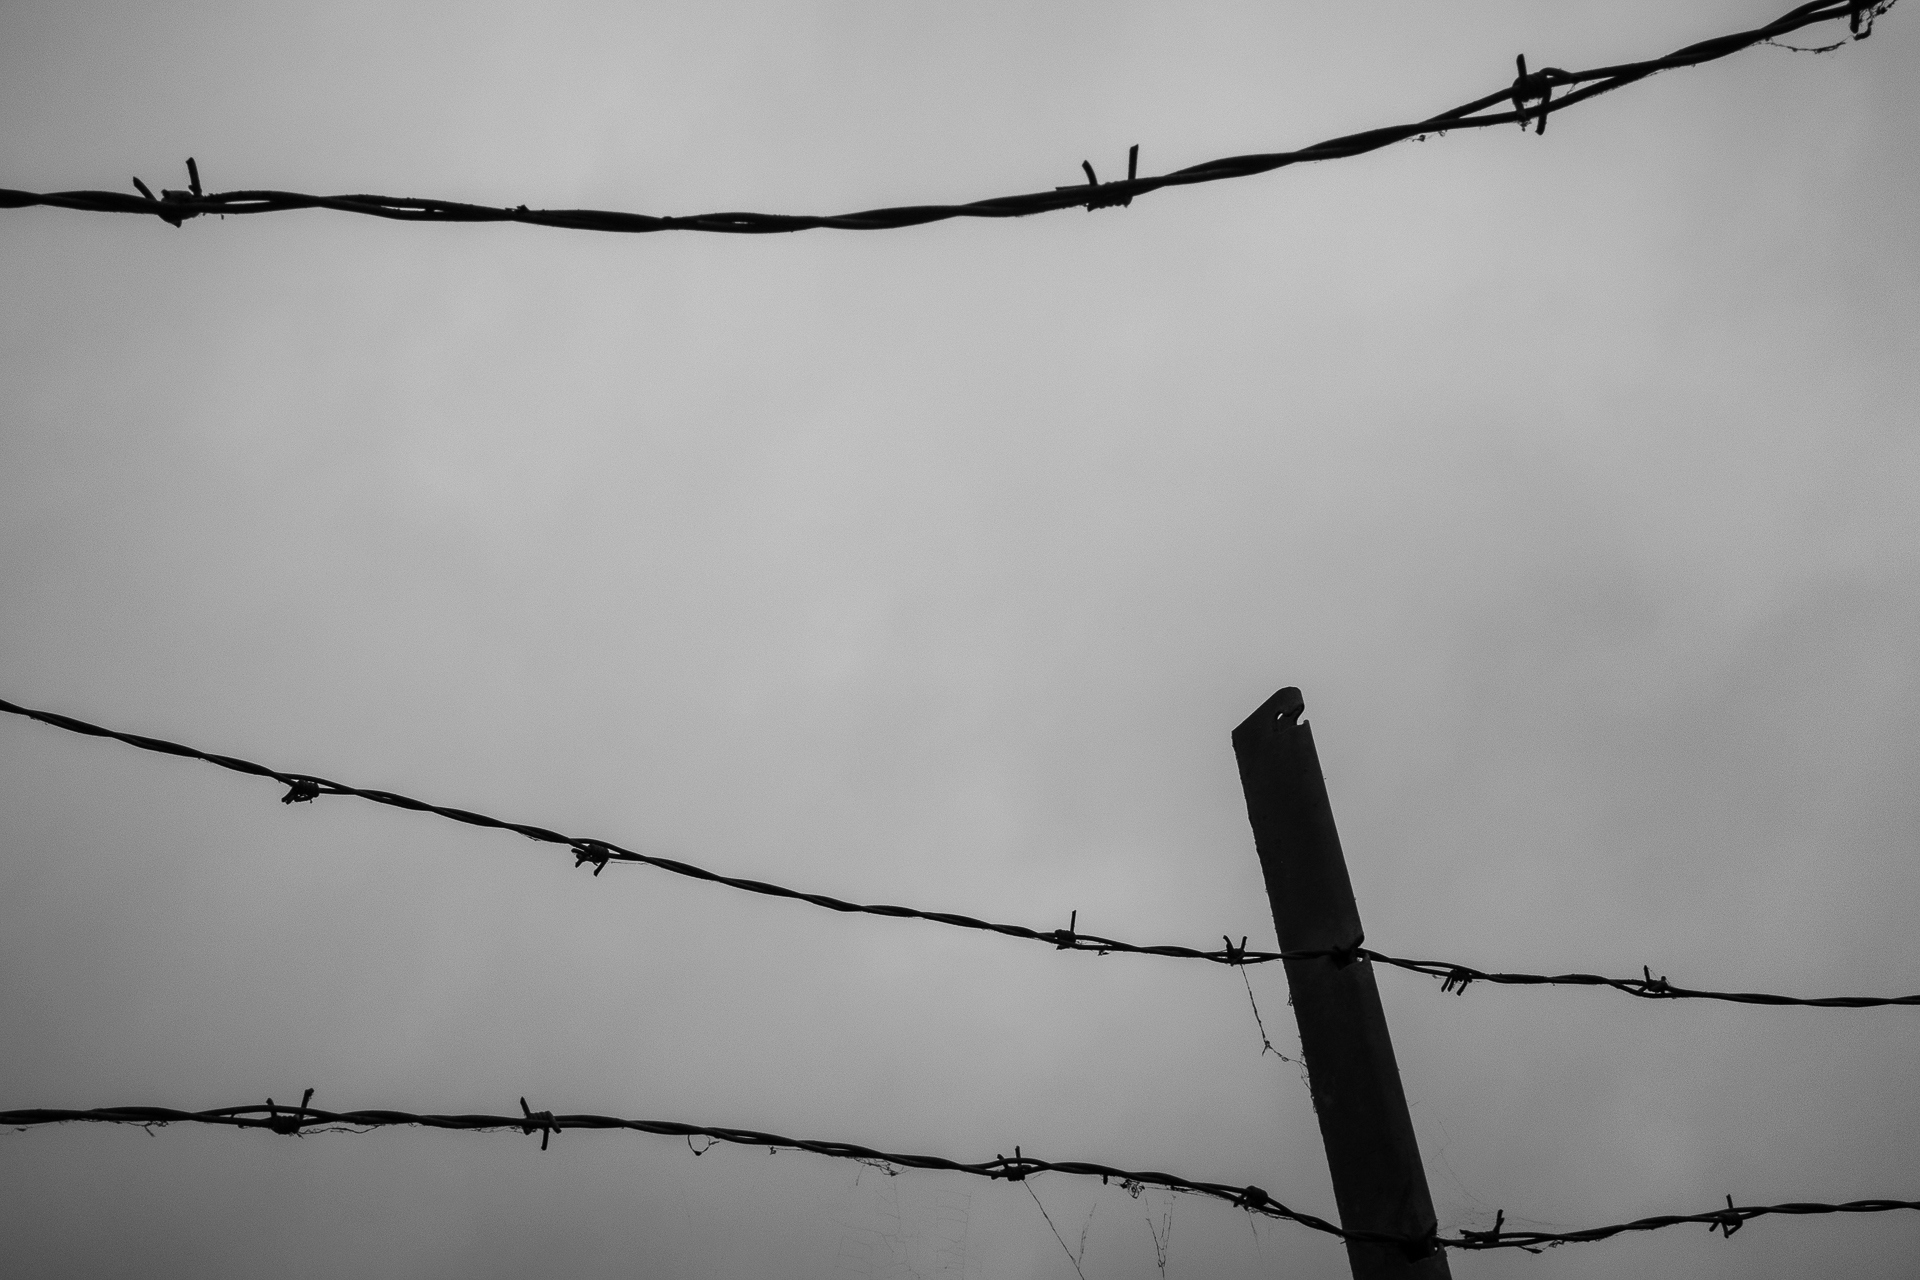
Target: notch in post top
1283	708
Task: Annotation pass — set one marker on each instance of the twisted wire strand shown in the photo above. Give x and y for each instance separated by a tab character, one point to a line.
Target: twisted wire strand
600	853
1528	100
304	787
1457	977
292	1120
288	1119
1727	1221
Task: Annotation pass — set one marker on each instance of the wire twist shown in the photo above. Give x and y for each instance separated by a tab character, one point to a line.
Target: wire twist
305	788
1015	1168
1528	99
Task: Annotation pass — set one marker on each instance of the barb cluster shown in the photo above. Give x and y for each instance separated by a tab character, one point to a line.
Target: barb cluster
1528	100
305	788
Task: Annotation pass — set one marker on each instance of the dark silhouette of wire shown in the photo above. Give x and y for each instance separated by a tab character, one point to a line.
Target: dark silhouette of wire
1528	100
599	854
292	1120
1456	978
287	1119
1727	1221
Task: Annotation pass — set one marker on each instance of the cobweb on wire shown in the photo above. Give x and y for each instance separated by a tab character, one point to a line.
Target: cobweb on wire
903	1228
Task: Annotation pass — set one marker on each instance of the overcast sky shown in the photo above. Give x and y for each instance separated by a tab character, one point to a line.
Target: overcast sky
1570	476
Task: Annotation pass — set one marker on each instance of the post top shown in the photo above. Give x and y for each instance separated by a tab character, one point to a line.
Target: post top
1284	707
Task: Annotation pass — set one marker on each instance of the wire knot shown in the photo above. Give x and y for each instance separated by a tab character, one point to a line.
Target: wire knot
1727	1223
1014	1170
1654	986
1109	200
1537	87
540	1122
1235	955
1860	21
1489	1237
1065	939
1424	1245
1456	981
1253	1198
591	851
301	791
189	196
290	1123
1344	956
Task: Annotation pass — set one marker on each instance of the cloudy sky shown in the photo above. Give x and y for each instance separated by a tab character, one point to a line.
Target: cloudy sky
1570	476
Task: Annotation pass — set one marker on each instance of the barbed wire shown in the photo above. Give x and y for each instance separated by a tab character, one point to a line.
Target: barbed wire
1456	978
1528	100
1726	1221
599	854
291	1121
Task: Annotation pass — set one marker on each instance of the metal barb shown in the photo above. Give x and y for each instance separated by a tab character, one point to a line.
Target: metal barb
193	193
289	1124
1491	1236
302	788
1110	201
1064	939
540	1122
301	791
1530	96
1537	87
1018	1168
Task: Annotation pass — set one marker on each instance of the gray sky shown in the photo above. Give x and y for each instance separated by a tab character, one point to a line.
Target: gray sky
1570	476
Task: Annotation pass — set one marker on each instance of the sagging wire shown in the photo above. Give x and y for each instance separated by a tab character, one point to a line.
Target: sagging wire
306	1120
1529	99
306	788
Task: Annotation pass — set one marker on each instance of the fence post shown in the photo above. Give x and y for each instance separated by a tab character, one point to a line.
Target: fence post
1379	1183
